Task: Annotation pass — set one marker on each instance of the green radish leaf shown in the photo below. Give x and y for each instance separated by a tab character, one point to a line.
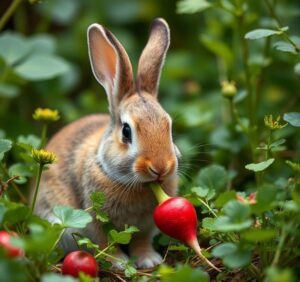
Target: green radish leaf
20	170
224	249
213	177
184	273
74	218
98	199
297	68
13	47
130	271
260	33
285	47
42	67
238	259
9	90
277	143
5	146
87	243
259	235
55	277
192	6
102	216
225	224
122	237
260	166
293	118
224	197
237	211
12	270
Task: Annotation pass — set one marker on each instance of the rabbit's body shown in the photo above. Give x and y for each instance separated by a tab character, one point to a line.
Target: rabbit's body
117	154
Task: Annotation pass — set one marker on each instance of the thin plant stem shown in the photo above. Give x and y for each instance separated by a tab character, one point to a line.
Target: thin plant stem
39	174
207	206
103	251
44	135
20	194
279	247
9	12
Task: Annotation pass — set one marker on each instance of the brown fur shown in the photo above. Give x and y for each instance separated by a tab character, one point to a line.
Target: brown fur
92	154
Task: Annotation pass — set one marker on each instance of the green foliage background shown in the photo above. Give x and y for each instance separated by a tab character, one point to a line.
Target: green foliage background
44	63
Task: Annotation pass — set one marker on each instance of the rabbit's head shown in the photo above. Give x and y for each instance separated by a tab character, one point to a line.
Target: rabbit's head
137	147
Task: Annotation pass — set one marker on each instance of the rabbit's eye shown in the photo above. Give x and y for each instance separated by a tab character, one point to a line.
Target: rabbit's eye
126	132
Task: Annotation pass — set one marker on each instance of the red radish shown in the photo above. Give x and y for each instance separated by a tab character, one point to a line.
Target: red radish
177	217
79	261
10	250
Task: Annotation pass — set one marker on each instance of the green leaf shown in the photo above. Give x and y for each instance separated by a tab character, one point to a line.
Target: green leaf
98	199
42	67
13	271
277	143
225	224
5	146
285	47
224	249
20	170
274	274
224	198
265	196
200	191
260	33
178	248
297	68
185	273
237	211
13	47
213	177
208	223
119	237
259	235
293	118
260	166
85	277
122	237
9	90
87	243
192	6
29	141
102	216
15	213
73	218
130	271
54	277
238	259
42	43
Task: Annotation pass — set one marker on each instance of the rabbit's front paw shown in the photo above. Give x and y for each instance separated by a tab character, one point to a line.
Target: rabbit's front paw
118	264
148	259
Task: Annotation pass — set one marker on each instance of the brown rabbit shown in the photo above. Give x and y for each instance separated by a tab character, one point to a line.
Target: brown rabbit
117	154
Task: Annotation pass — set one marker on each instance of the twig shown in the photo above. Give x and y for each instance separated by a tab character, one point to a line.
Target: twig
9	12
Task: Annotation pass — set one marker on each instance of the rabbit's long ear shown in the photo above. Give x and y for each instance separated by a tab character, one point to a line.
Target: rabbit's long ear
110	64
153	56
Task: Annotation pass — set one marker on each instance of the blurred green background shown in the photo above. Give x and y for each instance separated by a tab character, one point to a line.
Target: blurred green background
44	63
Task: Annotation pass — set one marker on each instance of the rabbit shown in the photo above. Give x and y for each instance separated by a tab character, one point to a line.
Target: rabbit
120	153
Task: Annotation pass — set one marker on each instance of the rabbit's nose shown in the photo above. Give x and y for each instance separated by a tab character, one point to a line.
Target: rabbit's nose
154	172
157	172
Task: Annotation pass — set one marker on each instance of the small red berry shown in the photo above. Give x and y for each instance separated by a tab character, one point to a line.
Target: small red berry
10	250
79	261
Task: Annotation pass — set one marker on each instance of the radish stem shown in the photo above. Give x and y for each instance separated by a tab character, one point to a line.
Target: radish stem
159	193
196	247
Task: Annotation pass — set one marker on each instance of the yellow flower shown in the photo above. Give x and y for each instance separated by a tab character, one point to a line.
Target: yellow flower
273	124
228	88
43	157
46	115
